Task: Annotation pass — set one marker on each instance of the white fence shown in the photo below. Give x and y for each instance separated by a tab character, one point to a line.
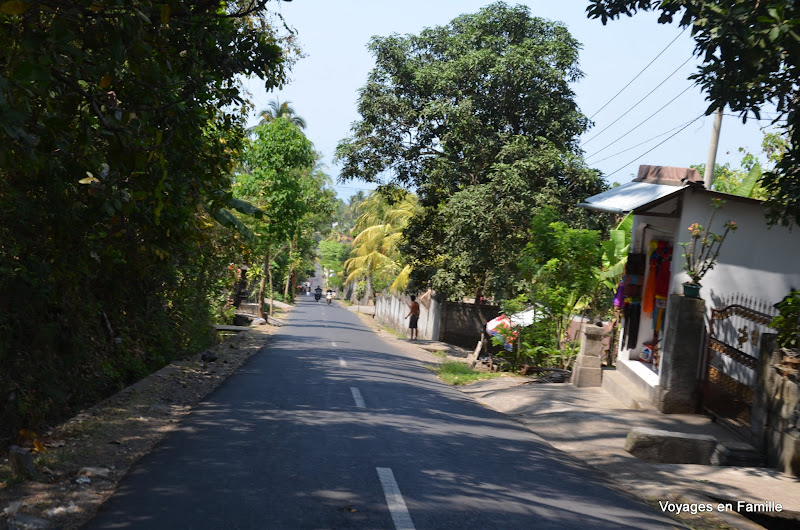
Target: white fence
391	311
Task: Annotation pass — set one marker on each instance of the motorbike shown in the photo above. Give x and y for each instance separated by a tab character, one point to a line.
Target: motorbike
317	296
329	298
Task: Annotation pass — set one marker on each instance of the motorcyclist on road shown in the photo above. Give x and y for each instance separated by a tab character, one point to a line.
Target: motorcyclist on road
318	293
329	296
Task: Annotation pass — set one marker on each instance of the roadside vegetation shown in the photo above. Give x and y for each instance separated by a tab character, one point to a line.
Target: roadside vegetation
121	230
132	194
458	373
494	161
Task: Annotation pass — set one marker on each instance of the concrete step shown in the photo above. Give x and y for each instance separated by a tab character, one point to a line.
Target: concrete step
247	308
626	392
738	454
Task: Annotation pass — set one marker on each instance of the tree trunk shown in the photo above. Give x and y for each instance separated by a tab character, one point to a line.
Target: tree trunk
368	294
288	274
269	274
261	286
288	279
289	288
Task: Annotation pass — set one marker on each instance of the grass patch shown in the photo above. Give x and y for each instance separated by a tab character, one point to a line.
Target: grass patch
392	331
458	373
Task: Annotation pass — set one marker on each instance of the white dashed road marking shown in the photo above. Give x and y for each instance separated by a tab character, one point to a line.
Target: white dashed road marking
342	363
357	398
394	499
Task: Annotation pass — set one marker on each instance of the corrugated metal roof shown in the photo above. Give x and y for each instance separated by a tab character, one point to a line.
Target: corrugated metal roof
628	197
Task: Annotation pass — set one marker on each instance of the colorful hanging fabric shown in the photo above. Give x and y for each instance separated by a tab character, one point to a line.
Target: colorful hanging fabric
649	296
619	297
632	297
663	275
632	319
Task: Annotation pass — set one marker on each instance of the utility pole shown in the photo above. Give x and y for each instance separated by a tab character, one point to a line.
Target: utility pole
711	161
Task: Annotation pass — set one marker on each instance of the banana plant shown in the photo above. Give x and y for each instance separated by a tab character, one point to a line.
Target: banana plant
615	254
225	217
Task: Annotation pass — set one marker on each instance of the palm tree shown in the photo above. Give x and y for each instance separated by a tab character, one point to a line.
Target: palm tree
276	110
375	248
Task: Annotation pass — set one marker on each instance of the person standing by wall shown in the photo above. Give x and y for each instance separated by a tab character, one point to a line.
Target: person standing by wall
413	312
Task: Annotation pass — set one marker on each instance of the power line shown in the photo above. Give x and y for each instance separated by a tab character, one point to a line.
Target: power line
770	119
637	103
668	103
656	146
637	75
646	141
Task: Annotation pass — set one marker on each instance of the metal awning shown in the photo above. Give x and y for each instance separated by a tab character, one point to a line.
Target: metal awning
628	197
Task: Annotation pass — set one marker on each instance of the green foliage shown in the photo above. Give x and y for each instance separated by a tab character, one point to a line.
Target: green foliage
375	258
478	117
333	254
360	290
788	321
278	176
119	122
560	273
275	160
457	373
615	254
750	52
743	181
701	252
276	110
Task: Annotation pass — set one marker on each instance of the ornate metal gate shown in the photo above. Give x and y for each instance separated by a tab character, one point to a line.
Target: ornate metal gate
731	360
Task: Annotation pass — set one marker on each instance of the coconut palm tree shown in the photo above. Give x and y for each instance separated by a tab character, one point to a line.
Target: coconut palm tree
276	110
375	253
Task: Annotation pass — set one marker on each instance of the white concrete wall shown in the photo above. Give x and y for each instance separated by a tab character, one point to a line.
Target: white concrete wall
392	310
755	261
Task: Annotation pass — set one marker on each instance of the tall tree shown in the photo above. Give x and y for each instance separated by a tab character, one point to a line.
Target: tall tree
276	110
379	228
277	160
120	121
479	118
751	56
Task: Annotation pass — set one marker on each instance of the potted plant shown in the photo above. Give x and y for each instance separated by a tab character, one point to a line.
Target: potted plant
701	252
787	324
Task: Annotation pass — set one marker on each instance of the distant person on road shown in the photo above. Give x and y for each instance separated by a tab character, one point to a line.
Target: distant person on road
413	312
318	293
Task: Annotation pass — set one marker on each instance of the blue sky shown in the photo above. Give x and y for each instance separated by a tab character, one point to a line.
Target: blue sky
334	35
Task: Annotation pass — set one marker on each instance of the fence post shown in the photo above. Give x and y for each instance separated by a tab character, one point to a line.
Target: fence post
588	369
684	340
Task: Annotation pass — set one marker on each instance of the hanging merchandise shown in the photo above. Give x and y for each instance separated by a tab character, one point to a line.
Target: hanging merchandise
619	297
657	287
633	314
632	298
659	278
663	274
650	287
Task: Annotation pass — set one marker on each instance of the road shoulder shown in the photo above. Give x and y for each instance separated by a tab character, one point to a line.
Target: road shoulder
87	456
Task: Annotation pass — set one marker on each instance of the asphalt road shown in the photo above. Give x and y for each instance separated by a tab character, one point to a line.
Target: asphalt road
330	427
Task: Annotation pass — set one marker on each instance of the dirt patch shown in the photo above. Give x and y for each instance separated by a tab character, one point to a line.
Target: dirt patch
83	459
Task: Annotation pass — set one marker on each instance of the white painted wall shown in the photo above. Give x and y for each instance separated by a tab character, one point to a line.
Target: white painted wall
392	310
755	261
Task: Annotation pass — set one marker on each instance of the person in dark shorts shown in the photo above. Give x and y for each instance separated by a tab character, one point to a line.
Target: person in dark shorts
413	312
